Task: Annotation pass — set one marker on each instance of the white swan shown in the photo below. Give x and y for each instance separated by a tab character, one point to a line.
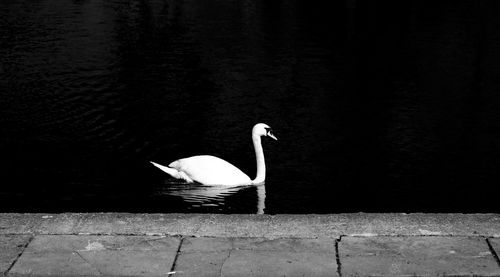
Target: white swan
210	170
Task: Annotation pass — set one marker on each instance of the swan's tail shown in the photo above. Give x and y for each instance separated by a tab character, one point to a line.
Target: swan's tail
170	171
173	172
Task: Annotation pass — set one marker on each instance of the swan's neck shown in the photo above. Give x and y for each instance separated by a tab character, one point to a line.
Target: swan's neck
261	164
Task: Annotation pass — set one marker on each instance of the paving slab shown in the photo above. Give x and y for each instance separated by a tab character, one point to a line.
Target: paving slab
269	226
19	223
11	246
80	255
256	257
57	223
202	257
416	256
303	226
138	224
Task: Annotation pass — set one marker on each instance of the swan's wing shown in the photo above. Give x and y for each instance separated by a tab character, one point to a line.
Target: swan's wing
210	170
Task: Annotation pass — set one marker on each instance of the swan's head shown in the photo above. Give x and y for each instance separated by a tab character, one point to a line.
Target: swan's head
262	129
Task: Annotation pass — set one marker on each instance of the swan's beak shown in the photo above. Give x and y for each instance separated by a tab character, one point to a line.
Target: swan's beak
272	136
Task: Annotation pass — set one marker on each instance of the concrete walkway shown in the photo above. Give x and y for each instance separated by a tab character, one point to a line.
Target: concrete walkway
249	245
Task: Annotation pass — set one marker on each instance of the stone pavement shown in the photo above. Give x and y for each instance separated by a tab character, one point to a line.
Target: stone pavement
249	245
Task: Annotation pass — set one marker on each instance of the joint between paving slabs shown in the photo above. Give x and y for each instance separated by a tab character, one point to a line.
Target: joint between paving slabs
493	252
172	269
20	254
337	256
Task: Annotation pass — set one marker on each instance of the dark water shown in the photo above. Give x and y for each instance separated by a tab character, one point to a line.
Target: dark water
378	107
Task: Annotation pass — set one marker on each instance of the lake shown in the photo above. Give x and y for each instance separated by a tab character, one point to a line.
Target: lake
378	107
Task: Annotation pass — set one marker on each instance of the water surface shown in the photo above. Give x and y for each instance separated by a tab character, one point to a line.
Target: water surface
377	107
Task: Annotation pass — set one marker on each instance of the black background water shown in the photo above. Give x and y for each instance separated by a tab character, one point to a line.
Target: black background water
378	106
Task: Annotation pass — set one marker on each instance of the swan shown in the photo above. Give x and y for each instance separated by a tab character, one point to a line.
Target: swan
209	170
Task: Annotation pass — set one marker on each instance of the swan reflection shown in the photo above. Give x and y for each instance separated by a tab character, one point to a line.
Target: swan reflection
198	195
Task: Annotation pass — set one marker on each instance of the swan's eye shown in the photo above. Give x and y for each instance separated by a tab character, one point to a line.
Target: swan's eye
269	132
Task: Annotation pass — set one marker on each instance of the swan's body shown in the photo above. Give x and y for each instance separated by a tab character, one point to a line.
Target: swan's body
210	170
207	170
